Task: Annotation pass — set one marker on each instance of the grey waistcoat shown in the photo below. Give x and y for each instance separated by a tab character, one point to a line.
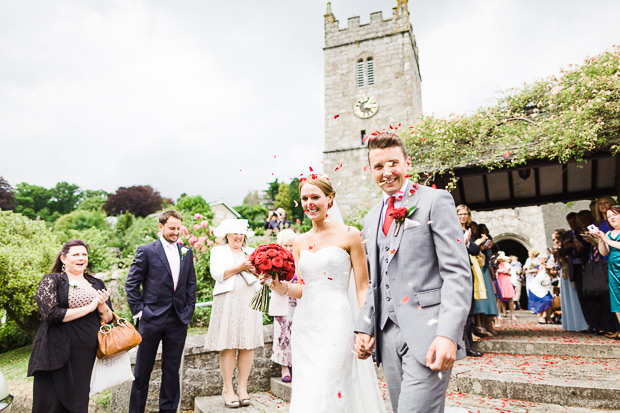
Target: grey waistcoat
387	305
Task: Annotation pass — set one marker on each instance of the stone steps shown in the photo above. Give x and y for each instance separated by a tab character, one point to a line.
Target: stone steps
262	402
567	381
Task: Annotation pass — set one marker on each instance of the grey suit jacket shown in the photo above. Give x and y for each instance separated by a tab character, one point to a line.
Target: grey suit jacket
429	273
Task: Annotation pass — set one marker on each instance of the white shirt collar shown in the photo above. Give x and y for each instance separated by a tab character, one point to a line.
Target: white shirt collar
165	243
397	194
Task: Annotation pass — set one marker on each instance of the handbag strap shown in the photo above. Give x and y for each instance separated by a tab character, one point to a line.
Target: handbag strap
115	317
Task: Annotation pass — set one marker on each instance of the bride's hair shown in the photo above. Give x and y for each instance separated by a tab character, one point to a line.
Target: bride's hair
322	182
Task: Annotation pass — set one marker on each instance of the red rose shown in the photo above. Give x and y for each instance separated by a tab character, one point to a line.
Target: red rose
260	258
277	262
289	266
265	266
399	214
272	252
283	254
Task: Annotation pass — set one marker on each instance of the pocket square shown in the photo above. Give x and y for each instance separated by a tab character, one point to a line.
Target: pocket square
410	223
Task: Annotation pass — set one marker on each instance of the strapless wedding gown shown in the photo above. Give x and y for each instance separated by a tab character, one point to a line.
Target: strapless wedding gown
328	377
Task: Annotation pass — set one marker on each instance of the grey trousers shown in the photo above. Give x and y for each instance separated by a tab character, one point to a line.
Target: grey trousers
413	387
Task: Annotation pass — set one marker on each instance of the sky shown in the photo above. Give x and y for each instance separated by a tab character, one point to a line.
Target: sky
220	98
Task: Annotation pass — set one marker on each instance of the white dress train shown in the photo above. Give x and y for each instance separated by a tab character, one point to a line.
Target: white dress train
327	375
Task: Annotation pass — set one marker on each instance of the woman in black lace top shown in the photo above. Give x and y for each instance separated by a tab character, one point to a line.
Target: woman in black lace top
70	301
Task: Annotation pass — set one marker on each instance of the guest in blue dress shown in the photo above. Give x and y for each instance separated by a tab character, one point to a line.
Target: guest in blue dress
572	316
609	244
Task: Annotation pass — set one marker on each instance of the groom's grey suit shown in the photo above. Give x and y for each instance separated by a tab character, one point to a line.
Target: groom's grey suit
420	288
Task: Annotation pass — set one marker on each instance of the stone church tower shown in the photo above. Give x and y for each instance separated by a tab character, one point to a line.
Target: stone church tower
372	81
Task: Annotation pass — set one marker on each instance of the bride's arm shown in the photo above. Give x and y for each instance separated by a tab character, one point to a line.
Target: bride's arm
359	264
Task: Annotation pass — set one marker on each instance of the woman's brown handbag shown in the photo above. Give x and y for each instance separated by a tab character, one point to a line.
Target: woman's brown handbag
118	336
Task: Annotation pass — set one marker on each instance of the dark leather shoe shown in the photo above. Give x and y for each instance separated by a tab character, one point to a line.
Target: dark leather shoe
473	353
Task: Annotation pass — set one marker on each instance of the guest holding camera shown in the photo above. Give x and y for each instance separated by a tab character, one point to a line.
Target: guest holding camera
71	302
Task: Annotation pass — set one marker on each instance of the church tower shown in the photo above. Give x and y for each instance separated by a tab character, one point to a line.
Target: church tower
372	81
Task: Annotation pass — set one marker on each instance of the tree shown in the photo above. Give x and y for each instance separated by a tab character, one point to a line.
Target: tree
283	199
81	219
32	200
270	194
252	198
65	197
194	205
139	200
27	251
7	197
297	212
255	214
93	200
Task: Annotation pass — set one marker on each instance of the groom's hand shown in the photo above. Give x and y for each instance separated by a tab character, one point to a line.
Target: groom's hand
441	354
363	345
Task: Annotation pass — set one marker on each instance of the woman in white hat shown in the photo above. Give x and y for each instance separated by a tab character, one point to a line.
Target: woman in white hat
235	329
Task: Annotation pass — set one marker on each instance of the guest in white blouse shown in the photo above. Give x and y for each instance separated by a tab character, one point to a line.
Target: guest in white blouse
235	329
281	308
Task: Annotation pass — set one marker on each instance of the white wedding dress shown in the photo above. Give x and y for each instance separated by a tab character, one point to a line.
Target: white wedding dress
328	376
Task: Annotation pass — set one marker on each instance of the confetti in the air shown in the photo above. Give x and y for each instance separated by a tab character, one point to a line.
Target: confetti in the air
336	116
405	299
432	321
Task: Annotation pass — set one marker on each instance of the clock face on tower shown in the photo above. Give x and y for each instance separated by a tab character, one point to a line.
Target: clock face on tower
366	107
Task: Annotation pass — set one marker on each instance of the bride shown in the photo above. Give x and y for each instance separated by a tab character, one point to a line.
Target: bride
331	288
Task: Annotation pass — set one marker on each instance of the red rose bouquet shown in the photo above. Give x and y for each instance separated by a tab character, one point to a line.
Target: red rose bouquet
275	261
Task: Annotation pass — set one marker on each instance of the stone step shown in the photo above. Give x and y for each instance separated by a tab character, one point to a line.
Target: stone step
481	404
592	383
281	389
542	346
261	402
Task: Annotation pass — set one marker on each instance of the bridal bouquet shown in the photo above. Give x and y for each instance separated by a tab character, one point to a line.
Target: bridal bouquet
275	261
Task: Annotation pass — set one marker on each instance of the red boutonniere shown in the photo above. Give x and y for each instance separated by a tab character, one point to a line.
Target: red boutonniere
400	214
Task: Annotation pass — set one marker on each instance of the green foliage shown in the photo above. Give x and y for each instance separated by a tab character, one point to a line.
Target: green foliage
27	252
81	219
255	214
101	257
271	193
283	199
142	231
252	198
297	212
12	337
140	200
194	205
32	200
93	200
65	197
561	119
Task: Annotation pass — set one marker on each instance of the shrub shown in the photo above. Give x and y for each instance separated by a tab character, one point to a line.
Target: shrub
81	220
139	200
100	256
11	336
27	251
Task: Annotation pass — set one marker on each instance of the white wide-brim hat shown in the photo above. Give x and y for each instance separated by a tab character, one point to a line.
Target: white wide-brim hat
233	226
502	256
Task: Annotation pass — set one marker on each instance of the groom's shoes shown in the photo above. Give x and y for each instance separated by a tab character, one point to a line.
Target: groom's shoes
473	353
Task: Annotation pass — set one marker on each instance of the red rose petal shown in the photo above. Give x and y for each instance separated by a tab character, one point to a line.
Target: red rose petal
506	155
405	299
434	186
336	116
339	395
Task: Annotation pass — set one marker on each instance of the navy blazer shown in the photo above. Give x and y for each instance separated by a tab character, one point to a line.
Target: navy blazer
150	269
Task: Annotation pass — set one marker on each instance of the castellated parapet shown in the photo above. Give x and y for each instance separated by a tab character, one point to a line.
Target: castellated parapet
395	86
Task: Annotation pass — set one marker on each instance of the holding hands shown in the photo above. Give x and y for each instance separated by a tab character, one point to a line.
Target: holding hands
364	345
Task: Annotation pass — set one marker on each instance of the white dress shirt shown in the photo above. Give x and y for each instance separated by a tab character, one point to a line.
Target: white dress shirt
174	259
398	202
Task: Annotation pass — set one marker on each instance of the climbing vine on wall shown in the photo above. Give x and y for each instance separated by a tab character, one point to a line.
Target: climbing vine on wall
563	118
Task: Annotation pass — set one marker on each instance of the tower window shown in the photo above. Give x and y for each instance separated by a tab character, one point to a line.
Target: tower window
363	136
360	73
365	72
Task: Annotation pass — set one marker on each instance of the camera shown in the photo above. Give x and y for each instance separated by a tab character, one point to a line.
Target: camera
592	228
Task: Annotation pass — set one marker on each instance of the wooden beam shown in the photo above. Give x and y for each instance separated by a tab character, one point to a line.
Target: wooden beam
540	200
537	181
485	183
511	187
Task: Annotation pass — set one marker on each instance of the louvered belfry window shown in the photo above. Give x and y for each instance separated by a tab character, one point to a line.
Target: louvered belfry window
360	73
370	72
365	72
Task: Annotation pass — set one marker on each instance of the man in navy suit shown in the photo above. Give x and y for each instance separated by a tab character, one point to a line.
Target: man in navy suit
165	271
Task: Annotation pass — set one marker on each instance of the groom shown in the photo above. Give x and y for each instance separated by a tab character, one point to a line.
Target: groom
420	290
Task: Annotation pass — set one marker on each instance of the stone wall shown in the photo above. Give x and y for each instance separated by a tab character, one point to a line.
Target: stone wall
201	375
391	45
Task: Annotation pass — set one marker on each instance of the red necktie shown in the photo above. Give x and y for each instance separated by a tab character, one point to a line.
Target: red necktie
387	221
